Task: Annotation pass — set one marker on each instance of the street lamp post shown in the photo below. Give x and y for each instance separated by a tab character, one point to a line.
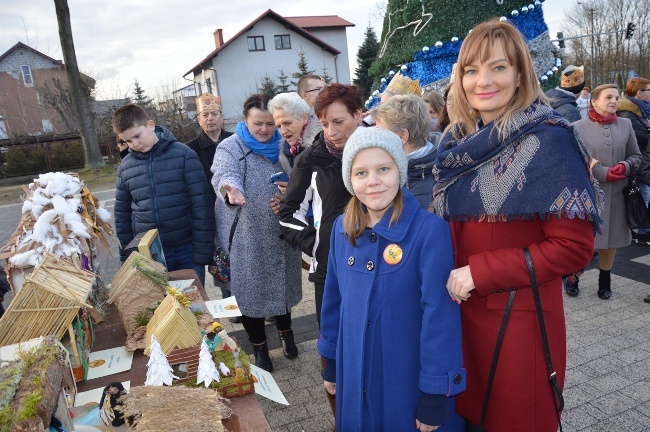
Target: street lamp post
591	19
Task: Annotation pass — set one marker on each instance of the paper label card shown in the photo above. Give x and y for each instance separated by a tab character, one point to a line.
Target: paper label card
224	308
267	387
109	362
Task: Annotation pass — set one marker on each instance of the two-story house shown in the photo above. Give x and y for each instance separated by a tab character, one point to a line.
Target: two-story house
28	78
264	47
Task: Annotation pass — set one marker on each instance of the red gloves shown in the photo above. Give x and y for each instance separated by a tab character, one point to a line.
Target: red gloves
616	172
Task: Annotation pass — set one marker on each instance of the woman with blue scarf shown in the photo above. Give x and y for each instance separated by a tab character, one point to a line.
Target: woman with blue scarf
636	108
265	272
511	175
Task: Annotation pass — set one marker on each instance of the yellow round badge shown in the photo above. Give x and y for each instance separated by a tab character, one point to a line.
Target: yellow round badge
393	254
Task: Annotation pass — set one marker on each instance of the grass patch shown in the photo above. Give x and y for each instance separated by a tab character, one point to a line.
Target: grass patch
99	178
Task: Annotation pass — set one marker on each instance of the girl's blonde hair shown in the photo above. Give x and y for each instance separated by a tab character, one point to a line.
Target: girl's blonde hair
355	218
477	48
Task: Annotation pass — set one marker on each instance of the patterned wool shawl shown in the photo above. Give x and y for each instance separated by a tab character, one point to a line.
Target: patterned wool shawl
541	170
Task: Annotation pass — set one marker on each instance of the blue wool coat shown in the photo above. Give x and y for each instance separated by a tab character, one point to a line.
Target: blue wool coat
393	330
165	188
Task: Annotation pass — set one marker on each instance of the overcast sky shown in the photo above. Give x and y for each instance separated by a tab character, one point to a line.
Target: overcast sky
157	41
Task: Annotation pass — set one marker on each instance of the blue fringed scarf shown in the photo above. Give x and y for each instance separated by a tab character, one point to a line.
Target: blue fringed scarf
270	150
541	170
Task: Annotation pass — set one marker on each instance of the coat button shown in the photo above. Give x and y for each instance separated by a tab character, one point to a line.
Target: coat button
609	143
364	390
350	261
373	237
457	379
606	133
370	265
606	126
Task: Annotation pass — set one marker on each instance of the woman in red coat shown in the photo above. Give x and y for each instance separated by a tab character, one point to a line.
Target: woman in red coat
512	175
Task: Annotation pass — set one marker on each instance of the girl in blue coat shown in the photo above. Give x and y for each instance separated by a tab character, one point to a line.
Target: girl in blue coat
390	336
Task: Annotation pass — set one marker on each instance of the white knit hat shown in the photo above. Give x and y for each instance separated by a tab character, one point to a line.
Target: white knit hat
373	137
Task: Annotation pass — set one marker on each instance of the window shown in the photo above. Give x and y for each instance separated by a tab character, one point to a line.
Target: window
47	126
27	76
282	42
3	129
208	84
255	43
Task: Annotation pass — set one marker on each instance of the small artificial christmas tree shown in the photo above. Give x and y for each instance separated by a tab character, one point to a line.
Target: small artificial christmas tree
159	372
207	370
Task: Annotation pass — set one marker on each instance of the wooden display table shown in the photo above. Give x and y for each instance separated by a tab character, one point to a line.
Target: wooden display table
247	414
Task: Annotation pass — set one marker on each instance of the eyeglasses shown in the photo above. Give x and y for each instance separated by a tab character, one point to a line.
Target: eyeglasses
314	89
645	90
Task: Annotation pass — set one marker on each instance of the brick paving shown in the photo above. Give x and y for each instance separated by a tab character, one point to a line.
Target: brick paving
608	373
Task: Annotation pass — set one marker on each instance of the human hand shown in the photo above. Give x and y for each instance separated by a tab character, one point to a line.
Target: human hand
615	173
275	203
282	186
424	428
235	197
330	387
459	284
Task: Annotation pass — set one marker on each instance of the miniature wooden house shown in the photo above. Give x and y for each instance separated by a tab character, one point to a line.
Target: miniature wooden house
48	301
177	331
139	284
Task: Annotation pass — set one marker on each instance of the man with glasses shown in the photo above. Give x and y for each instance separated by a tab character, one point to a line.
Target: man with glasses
309	87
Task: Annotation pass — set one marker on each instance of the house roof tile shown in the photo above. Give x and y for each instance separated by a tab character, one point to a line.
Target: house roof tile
309	22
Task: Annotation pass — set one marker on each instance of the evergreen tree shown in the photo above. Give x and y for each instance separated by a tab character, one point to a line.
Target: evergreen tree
422	39
268	86
140	97
283	87
365	56
326	75
303	69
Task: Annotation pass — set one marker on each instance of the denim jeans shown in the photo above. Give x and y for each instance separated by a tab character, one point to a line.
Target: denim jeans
645	193
182	257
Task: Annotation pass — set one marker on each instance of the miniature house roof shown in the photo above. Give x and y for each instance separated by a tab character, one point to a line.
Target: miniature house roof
174	325
48	301
135	265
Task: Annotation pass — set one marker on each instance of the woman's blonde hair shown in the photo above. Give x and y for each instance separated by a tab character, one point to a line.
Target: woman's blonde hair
356	219
477	48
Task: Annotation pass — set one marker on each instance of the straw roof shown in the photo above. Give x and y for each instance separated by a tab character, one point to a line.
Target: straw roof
174	325
48	301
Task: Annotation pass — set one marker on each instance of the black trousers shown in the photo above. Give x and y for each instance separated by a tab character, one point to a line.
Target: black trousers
255	327
319	289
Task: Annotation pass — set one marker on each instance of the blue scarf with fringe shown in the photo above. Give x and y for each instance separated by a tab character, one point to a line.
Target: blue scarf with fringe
270	150
541	170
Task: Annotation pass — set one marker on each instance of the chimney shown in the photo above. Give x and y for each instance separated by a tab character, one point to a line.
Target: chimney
218	37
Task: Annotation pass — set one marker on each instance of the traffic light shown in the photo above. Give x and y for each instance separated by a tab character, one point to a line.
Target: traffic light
560	39
630	30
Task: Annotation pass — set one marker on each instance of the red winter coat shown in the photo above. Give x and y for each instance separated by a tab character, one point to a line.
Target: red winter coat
521	398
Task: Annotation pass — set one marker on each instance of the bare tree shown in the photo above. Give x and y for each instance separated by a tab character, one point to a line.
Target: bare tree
80	92
614	56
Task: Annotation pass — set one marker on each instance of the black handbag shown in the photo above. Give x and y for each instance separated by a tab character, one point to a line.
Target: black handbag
635	209
557	392
220	266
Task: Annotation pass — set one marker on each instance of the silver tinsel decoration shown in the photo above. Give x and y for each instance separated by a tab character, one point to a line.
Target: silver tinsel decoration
554	69
425	49
544	78
438	44
549	72
514	13
502	19
454	39
524	9
531	7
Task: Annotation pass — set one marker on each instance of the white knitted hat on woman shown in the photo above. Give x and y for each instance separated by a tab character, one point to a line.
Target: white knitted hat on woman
371	137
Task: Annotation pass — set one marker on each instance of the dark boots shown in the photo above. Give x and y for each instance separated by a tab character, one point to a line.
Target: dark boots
262	359
605	284
571	287
289	348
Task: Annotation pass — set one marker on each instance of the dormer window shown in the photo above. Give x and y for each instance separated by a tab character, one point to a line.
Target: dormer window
27	75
